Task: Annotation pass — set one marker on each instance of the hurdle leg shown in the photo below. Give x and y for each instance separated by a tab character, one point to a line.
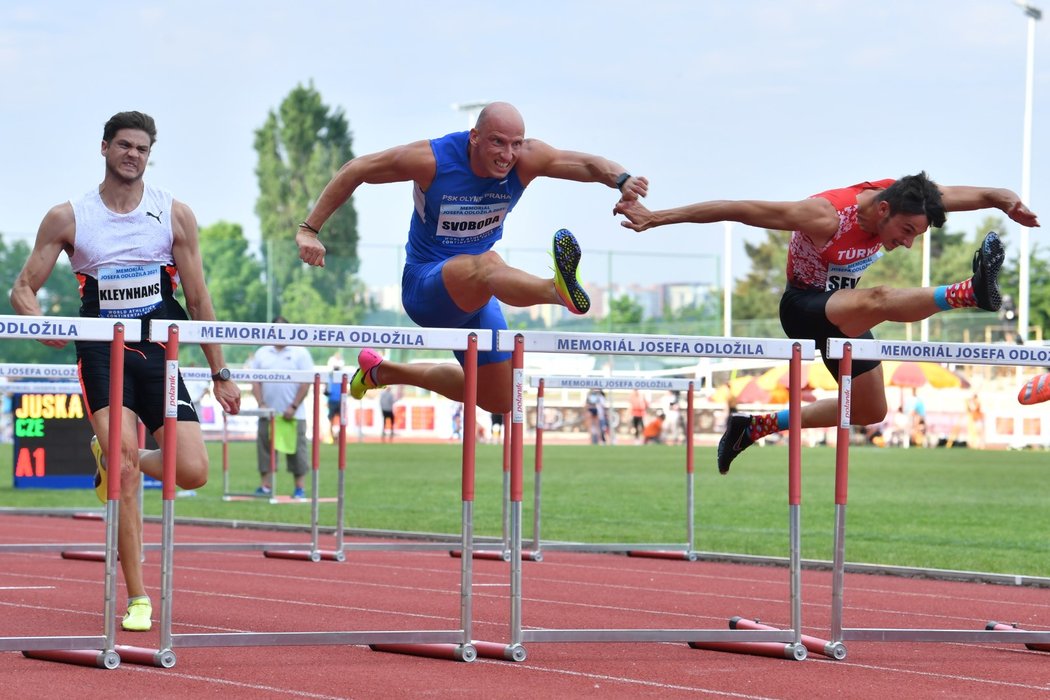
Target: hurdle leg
107	659
792	652
814	644
502	652
161	658
447	652
85	556
662	554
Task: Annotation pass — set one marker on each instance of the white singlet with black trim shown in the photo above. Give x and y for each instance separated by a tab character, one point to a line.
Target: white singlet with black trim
124	252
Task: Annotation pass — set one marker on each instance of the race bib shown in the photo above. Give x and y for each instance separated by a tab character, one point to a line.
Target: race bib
847	276
128	292
469	222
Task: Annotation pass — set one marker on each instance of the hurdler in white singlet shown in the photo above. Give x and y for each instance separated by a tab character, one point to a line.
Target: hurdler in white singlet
124	252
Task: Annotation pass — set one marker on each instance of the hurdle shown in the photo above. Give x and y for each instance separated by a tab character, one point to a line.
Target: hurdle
255	375
484	548
967	353
453	644
99	651
316	553
786	643
686	550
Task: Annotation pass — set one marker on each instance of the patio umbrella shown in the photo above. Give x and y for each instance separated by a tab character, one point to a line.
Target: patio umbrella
749	390
919	374
814	376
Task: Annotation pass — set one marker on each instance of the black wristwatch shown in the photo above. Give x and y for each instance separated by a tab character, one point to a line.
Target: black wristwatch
222	375
622	180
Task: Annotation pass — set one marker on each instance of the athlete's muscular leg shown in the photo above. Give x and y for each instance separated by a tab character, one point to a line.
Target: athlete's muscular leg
129	538
191	456
868	404
471	280
857	311
494	388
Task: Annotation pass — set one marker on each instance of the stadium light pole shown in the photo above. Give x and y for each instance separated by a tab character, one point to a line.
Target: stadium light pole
727	276
471	109
1034	15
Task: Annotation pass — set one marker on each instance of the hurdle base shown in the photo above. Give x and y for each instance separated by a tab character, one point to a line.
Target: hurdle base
89	516
502	652
161	658
78	657
487	554
832	650
86	556
999	626
662	554
792	652
297	554
449	652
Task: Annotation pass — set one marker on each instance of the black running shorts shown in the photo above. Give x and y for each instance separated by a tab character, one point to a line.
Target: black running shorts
803	315
143	381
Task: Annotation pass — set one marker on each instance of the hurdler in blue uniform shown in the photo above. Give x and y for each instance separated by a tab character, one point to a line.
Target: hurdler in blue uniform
465	186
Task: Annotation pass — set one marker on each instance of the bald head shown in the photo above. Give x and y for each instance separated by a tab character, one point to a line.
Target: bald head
501	116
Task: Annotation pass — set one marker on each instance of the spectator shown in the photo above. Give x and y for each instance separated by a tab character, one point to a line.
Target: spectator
605	420
386	405
457	422
334	392
286	400
593	421
974	423
672	418
497	428
917	413
654	429
639	406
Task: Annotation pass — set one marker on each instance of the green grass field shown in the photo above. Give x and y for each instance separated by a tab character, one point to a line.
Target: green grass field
937	508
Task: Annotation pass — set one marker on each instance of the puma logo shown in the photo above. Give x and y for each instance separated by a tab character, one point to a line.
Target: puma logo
155	216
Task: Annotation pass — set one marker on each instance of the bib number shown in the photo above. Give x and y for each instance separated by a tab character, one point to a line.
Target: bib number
128	292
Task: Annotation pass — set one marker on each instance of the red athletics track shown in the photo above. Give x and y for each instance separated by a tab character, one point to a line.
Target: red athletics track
243	591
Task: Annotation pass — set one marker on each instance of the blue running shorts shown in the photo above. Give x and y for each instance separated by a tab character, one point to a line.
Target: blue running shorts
428	304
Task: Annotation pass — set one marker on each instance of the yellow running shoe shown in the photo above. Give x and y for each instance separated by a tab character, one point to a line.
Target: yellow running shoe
566	254
101	480
137	618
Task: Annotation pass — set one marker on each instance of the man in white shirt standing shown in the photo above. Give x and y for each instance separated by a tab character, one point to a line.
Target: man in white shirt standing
286	400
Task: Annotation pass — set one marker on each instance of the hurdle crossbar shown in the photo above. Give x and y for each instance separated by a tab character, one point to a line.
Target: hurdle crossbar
453	643
86	650
847	350
678	550
793	351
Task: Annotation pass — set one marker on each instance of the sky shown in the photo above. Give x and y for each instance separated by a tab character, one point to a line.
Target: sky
710	99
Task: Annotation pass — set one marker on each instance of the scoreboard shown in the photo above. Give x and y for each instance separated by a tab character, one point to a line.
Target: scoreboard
51	441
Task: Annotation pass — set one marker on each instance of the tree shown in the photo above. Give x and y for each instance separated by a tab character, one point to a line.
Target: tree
58	297
758	294
300	147
625	313
233	276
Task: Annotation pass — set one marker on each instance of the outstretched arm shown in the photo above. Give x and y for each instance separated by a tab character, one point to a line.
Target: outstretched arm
965	198
55	234
815	216
538	159
186	251
411	162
